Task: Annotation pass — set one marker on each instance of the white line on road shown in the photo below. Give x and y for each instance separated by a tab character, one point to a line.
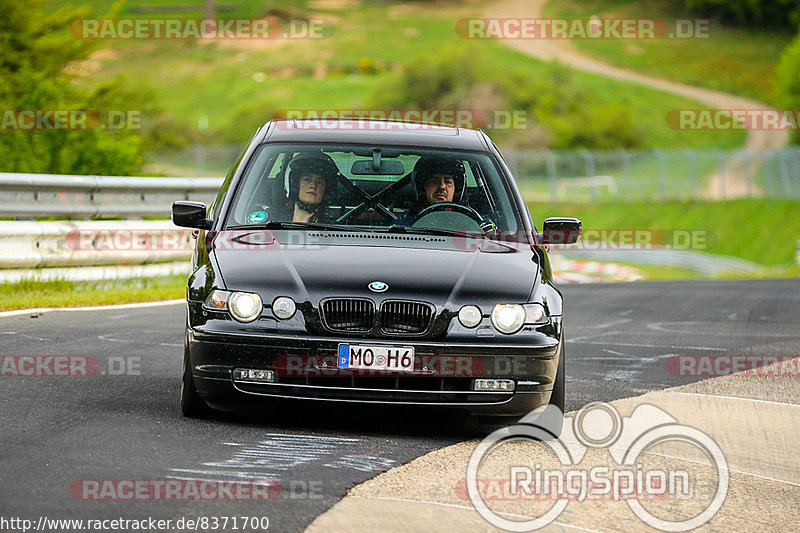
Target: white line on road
731	398
40	310
648	345
465	507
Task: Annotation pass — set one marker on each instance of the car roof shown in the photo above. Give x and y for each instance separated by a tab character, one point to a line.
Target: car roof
371	131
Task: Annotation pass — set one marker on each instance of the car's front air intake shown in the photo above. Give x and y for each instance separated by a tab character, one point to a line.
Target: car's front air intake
348	314
405	317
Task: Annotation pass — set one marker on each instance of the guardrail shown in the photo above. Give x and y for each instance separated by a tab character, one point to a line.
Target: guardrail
92	242
64	196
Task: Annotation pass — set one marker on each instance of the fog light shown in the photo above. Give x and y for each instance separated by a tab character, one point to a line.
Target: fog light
505	385
469	316
250	374
283	307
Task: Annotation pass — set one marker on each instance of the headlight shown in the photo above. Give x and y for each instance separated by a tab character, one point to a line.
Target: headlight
245	306
470	316
508	318
283	307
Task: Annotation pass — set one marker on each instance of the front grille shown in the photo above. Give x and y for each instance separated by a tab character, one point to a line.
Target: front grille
348	314
405	317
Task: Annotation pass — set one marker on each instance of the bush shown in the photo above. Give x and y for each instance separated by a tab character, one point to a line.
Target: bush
556	114
757	13
788	79
36	53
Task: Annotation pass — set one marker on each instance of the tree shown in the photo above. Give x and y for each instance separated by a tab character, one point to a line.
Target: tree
36	51
788	78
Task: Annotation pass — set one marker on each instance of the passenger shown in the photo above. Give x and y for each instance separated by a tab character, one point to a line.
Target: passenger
312	180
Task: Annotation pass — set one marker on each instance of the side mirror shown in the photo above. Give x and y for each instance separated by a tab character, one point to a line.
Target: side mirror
561	230
190	215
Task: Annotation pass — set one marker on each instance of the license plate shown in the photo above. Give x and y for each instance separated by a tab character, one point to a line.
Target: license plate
367	357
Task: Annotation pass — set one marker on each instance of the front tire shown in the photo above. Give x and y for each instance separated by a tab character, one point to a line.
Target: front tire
192	405
558	396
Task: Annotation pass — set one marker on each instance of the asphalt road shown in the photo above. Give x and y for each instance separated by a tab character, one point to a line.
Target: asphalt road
123	422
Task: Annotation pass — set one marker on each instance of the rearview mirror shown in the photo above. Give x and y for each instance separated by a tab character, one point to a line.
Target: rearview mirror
561	230
385	168
190	215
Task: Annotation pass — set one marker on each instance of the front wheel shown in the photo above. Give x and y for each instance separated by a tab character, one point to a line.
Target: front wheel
192	405
557	397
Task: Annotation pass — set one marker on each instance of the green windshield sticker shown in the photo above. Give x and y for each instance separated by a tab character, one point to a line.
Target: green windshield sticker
258	216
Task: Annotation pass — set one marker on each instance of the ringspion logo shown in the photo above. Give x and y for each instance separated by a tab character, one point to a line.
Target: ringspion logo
627	439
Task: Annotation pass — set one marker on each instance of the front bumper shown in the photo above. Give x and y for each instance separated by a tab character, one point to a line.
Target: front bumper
306	368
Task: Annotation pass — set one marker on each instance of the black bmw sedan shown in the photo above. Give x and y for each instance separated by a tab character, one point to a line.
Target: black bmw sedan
372	261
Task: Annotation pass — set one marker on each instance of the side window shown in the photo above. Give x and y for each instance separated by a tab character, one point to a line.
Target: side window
260	186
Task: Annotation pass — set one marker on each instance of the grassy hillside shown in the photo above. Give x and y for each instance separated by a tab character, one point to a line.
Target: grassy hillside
736	60
762	231
235	85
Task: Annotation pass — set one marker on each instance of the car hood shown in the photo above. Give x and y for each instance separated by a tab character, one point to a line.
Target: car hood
439	276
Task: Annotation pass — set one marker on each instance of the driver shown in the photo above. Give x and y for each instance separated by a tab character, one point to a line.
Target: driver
436	180
312	179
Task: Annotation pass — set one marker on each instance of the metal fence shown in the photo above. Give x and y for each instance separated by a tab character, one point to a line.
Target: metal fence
575	176
656	174
591	175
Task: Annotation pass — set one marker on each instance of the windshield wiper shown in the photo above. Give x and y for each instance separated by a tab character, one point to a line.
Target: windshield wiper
432	231
296	225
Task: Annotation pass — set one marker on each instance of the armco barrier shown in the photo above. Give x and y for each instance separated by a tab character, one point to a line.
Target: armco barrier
64	196
92	242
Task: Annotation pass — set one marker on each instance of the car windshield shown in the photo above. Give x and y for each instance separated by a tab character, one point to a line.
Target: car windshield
373	188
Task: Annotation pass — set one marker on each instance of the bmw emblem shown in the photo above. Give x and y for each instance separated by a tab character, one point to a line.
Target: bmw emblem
378	286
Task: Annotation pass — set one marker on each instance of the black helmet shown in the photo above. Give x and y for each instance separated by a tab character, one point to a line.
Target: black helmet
427	166
316	163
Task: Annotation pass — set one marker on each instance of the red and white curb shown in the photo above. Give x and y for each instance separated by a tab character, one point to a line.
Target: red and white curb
569	271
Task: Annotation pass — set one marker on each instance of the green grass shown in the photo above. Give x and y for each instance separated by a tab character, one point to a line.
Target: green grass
765	232
215	80
735	60
664	273
32	294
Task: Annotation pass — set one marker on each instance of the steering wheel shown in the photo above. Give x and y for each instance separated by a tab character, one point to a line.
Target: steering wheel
449	206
